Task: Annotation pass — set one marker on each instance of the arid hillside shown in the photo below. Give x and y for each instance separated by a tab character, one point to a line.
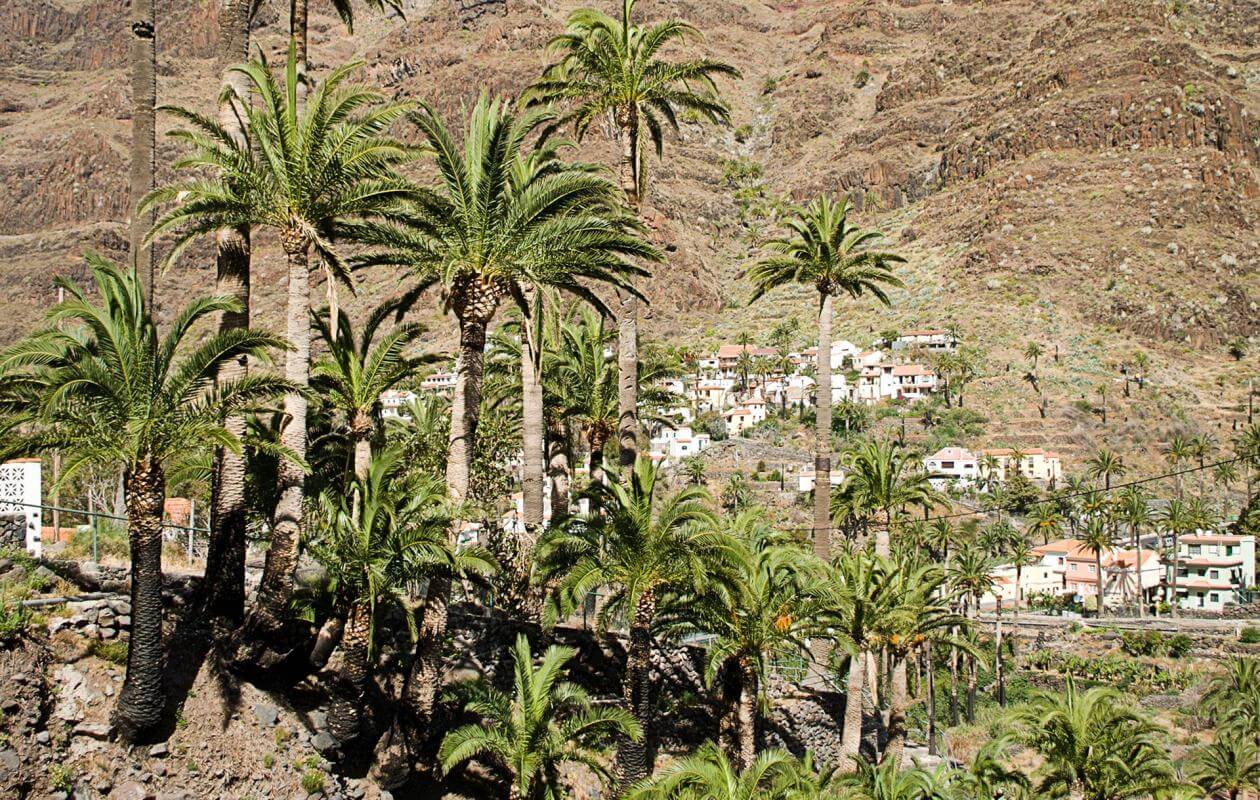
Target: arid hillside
1083	173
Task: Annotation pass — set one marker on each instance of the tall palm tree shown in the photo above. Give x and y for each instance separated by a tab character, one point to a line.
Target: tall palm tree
709	774
763	610
823	250
1176	452
1021	554
971	575
1094	746
1097	539
1175	519
1200	447
639	547
1226	768
611	68
143	60
379	536
490	227
546	724
356	370
884	479
1133	509
108	391
307	176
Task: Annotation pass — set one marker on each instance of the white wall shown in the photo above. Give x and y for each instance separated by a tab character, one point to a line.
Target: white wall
20	485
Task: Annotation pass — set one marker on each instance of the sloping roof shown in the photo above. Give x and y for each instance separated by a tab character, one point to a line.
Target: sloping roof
1058	546
952	454
912	369
733	350
924	332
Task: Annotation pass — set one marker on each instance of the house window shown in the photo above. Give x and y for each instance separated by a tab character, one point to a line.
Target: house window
1091	569
1214	574
1229	549
947	465
1195	550
1200	596
1214	597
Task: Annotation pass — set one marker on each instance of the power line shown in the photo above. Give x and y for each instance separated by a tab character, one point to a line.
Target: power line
97	514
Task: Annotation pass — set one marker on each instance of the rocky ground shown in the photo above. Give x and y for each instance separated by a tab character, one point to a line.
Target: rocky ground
1080	172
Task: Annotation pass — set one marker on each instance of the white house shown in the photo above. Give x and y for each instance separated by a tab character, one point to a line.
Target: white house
913	381
673	444
745	416
806	479
1035	464
1033	579
20	499
936	340
394	403
955	466
1213	570
711	393
439	382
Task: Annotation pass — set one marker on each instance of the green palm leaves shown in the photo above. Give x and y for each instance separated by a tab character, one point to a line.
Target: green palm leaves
825	250
545	724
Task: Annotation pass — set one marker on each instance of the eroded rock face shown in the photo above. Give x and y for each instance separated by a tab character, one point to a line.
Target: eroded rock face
25	701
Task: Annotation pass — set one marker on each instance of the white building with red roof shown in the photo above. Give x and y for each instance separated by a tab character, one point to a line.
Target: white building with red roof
1213	570
952	466
938	340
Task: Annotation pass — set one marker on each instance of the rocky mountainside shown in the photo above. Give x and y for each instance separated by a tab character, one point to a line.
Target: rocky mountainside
1079	172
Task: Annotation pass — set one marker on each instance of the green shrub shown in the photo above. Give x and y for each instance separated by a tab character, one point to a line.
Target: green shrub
1179	645
114	652
61	778
111	542
861	79
1143	643
1250	635
312	781
15	619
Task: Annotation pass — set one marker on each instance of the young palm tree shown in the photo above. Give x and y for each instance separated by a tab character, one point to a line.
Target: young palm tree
1178	451
883	479
611	68
379	537
915	611
709	774
1105	464
1094	746
545	724
1133	509
356	370
1226	768
693	467
108	391
989	775
1176	518
887	781
971	576
305	175
825	251
1033	351
640	547
1021	554
1240	678
1097	539
760	612
854	594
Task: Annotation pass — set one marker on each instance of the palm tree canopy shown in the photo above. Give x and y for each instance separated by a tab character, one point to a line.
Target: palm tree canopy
101	385
882	477
644	542
709	775
610	66
308	174
825	251
503	215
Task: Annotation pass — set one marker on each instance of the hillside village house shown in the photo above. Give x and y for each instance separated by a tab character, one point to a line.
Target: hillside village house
843	353
1034	579
394	403
952	466
743	417
674	444
937	340
1213	570
806	479
439	382
20	499
1035	464
711	393
887	381
728	357
1066	566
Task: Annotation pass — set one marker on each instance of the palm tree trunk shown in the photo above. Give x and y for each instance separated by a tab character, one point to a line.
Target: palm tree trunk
595	463
822	435
1099	580
633	761
999	674
931	697
897	701
1141	593
747	714
558	466
1173	601
628	313
362	456
1019	590
298	32
143	100
851	735
971	689
276	588
1076	790
883	542
345	712
533	468
466	404
953	684
141	700
224	582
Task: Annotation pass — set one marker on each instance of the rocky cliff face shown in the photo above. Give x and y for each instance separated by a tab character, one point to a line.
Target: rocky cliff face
1077	171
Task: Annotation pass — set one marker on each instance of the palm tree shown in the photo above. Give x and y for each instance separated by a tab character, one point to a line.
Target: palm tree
143	61
1224	474
1177	452
640	547
1094	746
1033	351
108	392
1200	447
760	612
609	68
887	781
1105	464
883	479
914	612
971	576
379	536
1021	554
989	776
1097	539
693	467
306	176
1240	678
823	250
708	774
585	381
854	592
1133	508
1226	768
1176	518
357	370
546	724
